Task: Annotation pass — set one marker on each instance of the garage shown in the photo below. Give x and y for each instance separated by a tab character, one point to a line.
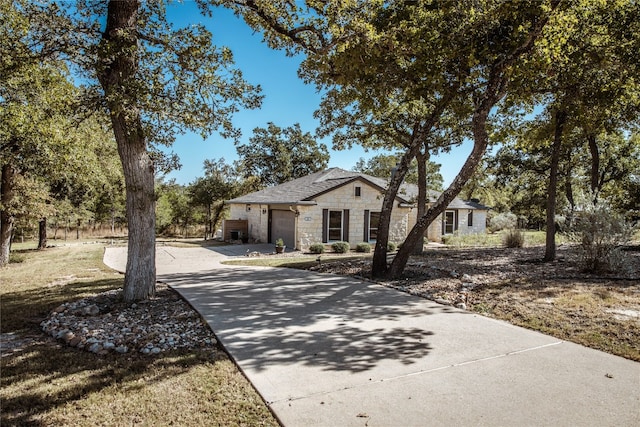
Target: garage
283	226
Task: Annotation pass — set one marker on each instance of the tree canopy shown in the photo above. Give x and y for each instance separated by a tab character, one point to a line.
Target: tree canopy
275	155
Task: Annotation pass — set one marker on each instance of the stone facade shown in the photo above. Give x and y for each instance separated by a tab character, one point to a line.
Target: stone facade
258	218
435	231
336	205
308	222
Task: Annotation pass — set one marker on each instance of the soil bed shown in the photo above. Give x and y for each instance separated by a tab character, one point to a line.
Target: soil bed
601	311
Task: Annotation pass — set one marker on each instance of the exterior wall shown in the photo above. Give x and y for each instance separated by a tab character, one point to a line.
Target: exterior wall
258	217
434	232
435	229
479	222
310	218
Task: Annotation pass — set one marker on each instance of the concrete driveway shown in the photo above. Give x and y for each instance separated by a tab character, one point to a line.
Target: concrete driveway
326	350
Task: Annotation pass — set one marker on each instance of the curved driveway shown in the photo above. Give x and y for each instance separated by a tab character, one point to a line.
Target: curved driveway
326	350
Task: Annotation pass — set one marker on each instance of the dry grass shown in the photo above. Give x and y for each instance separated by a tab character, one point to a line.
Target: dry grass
45	383
602	314
557	298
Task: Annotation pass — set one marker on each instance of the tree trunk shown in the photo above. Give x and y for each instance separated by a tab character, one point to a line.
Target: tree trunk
550	246
6	218
42	233
422	159
119	59
379	263
481	140
209	221
568	189
595	167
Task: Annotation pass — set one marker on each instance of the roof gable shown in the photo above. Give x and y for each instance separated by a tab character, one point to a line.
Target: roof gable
308	187
304	190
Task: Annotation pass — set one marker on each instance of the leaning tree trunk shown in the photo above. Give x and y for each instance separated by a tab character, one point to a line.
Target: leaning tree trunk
42	233
379	262
6	218
422	159
119	59
481	140
552	188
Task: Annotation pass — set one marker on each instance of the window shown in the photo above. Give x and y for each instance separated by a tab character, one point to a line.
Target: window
358	191
374	220
335	225
448	225
470	219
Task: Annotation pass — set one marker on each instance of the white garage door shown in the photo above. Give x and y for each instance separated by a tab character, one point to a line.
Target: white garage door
283	226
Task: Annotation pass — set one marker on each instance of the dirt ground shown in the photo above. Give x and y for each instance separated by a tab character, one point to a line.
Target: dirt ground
601	311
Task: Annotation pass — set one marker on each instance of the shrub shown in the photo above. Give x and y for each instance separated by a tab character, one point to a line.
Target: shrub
363	247
600	234
280	243
391	247
513	238
340	247
316	248
503	221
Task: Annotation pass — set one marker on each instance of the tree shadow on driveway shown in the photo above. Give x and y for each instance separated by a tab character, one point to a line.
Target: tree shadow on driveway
271	315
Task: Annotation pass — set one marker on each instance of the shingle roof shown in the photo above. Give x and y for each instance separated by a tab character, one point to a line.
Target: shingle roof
304	190
308	187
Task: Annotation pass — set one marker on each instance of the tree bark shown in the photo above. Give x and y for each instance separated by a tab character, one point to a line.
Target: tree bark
119	59
422	159
6	218
42	234
568	189
550	245
379	262
481	140
595	167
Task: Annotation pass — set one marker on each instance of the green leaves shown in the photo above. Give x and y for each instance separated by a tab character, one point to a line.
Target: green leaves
275	155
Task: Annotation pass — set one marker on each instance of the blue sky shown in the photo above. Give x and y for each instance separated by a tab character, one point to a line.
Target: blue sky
287	99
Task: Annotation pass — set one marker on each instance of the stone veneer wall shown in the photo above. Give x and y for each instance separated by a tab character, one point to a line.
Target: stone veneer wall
434	231
310	219
258	221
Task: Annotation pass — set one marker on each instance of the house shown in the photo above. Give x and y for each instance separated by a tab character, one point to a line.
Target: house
339	205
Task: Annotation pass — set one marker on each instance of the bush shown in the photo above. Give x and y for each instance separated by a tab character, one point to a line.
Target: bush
601	234
363	247
513	239
503	221
316	248
391	247
340	247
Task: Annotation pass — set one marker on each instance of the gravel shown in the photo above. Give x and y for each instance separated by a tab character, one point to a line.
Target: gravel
104	324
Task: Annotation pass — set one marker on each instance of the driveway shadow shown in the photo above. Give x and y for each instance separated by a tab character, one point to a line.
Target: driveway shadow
271	315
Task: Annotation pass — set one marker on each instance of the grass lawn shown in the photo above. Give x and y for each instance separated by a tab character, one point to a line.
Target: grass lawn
46	383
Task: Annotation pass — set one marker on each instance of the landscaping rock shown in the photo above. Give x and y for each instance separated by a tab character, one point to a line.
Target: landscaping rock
104	324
